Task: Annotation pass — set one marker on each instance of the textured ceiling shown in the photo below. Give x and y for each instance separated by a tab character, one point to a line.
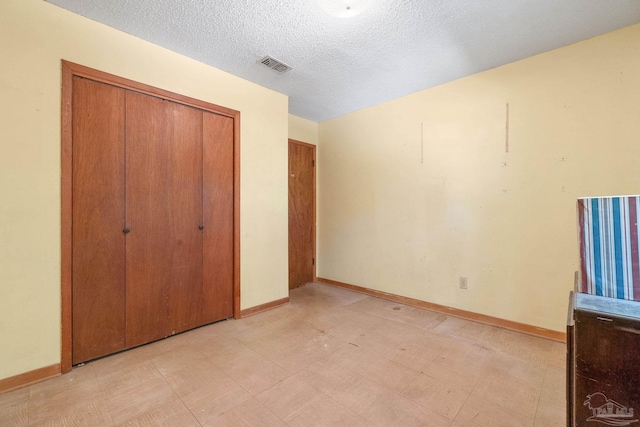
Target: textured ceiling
340	65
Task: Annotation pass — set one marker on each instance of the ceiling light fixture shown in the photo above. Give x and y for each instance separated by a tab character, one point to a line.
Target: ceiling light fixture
344	8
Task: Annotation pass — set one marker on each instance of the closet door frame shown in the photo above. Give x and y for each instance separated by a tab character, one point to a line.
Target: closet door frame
69	70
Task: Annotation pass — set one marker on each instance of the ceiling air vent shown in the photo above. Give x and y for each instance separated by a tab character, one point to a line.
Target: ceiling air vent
277	66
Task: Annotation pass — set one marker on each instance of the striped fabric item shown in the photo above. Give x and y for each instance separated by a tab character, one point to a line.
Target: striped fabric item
609	261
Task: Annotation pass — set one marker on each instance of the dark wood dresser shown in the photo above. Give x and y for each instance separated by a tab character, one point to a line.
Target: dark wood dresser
603	362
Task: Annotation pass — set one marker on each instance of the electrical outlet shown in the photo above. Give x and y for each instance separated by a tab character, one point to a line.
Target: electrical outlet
463	282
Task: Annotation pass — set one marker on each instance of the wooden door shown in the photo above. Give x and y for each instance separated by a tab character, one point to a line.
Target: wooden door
163	216
301	213
98	288
184	197
217	190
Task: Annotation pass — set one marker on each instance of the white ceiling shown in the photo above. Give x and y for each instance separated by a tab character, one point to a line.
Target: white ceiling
340	65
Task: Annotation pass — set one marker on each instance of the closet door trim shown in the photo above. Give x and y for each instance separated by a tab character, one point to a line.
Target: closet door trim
69	70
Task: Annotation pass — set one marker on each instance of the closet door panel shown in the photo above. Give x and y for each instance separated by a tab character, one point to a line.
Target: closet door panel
164	210
184	190
148	253
218	217
98	244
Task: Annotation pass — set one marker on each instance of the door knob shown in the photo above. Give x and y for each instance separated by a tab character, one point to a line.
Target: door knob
126	230
201	227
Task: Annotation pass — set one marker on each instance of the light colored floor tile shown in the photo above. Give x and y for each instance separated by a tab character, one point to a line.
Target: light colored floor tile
288	398
299	352
323	411
315	350
171	414
127	377
211	332
63	394
396	332
513	385
554	387
362	396
196	376
417	353
235	356
485	335
326	377
439	396
220	348
403	412
388	374
477	412
172	361
338	296
256	374
535	351
172	343
94	414
457	373
265	324
399	312
550	414
323	320
116	362
125	403
349	356
558	355
212	401
353	324
465	353
374	344
452	326
275	345
286	332
14	408
508	393
250	413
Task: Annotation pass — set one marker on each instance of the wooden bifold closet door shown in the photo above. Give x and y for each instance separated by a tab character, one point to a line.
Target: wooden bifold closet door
98	243
163	216
218	209
152	218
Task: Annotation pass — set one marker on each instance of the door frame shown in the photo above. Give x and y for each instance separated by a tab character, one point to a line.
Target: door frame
69	70
313	229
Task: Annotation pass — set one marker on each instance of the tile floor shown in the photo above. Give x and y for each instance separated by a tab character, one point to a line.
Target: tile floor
330	358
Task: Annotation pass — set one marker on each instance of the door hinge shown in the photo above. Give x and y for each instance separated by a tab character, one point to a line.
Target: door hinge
313	261
313	163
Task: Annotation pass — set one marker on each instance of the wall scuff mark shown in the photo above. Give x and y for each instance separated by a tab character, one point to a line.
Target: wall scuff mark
421	142
506	138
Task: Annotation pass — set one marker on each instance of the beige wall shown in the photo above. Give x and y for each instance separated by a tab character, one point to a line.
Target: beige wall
34	37
303	130
411	221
